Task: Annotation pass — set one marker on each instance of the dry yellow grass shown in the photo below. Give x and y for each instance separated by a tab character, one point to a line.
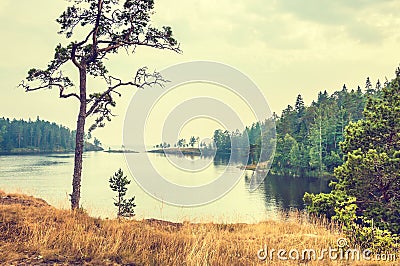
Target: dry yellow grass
32	232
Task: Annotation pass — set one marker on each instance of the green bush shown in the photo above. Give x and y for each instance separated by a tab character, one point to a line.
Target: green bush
360	231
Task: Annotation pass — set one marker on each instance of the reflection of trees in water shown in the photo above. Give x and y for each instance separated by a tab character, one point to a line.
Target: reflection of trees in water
218	159
235	158
286	191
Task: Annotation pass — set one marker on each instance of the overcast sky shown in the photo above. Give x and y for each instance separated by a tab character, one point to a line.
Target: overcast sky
286	47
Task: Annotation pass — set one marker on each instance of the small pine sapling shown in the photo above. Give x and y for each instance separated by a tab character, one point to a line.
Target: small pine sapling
118	183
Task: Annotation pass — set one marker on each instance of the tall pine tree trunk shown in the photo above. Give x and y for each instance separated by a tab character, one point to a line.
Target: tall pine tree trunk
79	142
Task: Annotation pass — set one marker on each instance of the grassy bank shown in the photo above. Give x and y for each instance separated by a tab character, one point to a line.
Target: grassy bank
32	232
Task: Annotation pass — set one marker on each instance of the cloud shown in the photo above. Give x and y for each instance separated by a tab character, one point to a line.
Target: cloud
279	24
329	12
321	11
356	18
365	34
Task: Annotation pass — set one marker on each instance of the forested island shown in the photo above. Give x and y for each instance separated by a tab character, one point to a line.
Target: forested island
177	150
39	136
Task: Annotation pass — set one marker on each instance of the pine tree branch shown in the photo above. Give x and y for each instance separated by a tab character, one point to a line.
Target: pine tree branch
142	80
27	88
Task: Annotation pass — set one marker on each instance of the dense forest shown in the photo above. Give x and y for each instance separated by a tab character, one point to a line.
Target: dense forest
19	136
365	198
307	137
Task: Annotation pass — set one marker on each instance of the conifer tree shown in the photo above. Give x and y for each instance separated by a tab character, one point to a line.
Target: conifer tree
95	30
371	172
118	183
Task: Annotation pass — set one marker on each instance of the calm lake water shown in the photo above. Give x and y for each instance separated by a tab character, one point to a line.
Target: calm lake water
50	176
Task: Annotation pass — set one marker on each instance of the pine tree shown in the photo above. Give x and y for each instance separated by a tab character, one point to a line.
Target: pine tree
368	86
299	105
94	30
371	172
192	141
118	183
96	142
378	85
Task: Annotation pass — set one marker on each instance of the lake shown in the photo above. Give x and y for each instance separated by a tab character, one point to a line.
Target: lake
50	176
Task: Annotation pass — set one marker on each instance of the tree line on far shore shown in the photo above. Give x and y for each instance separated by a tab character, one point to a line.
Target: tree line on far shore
307	137
19	136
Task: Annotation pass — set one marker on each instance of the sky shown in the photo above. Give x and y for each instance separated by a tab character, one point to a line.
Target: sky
286	47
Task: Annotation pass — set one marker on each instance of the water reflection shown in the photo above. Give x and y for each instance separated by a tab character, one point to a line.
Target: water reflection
49	177
287	192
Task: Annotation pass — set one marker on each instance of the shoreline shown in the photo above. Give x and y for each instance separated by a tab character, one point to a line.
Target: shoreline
42	152
120	151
